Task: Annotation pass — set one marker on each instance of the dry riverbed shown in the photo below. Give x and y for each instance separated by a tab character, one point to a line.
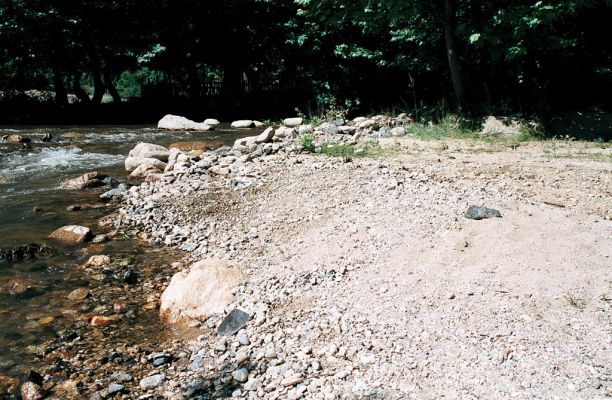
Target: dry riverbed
364	279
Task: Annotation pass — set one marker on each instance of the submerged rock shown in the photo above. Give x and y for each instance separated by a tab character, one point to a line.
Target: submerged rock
9	386
176	122
15	139
121	190
72	234
27	251
478	213
88	180
199	292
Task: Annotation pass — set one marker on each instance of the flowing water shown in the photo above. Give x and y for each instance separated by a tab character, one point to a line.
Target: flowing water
30	177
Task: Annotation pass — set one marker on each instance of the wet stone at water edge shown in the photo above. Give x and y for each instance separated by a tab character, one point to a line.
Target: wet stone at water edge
234	321
478	213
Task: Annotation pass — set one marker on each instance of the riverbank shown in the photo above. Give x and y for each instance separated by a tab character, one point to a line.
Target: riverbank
363	278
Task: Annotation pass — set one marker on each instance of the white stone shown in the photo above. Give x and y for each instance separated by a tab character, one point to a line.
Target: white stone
265	136
175	122
243	123
150	150
297	121
131	163
211	121
199	292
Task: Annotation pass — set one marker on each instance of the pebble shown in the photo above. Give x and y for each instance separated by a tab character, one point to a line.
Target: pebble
241	375
153	381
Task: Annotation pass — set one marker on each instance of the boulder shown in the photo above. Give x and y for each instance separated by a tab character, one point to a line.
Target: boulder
9	386
15	139
368	123
131	163
328	128
99	260
197	293
265	136
346	129
245	144
175	122
211	121
144	170
197	145
303	129
121	190
72	234
258	124
243	123
88	180
284	132
31	391
150	150
297	121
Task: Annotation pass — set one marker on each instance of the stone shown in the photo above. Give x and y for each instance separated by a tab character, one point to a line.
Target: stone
176	122
67	390
115	388
131	163
246	143
150	150
73	207
398	131
31	391
243	123
284	132
151	382
265	136
478	213
8	385
99	320
143	171
368	123
79	294
198	146
120	377
297	121
99	260
88	180
119	191
130	277
303	129
211	121
241	375
72	234
197	293
328	128
233	322
15	139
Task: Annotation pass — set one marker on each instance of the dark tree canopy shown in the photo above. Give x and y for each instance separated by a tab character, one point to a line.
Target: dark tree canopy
475	56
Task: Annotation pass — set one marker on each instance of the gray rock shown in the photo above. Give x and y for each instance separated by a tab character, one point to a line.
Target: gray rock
241	375
478	213
233	322
121	190
120	377
153	381
115	388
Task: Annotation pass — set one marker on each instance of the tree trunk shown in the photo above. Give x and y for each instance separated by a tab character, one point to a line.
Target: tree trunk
108	81
78	90
99	88
61	96
450	22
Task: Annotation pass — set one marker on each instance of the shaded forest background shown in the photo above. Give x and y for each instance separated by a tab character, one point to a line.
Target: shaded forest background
91	61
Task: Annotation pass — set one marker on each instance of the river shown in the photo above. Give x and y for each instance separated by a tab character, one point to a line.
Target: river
31	177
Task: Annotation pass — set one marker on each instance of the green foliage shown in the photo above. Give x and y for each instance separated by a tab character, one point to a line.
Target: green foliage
307	143
450	126
365	149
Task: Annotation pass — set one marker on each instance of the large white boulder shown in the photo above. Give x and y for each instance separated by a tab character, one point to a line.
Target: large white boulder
211	121
131	163
150	150
144	170
243	123
199	292
297	121
176	122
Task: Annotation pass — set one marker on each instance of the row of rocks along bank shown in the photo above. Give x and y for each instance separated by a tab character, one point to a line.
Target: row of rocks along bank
331	278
